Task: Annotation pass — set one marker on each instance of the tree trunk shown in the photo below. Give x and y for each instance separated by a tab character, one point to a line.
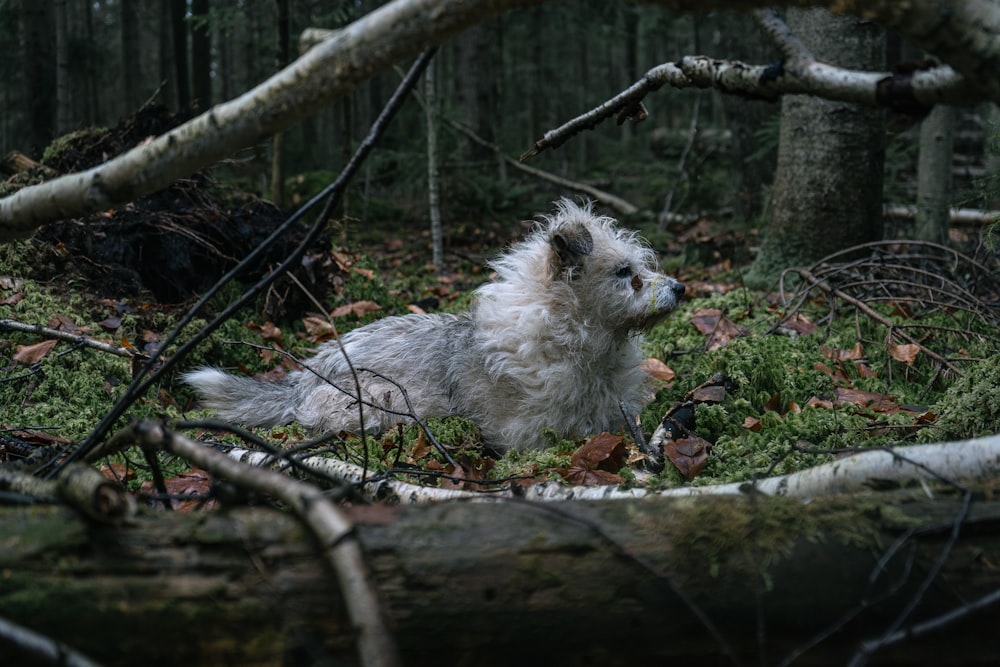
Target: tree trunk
91	72
828	184
614	582
278	145
165	37
131	58
64	94
993	152
201	56
934	166
433	172
178	29
36	25
475	85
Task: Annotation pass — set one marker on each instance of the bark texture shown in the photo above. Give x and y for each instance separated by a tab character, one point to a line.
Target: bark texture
934	165
828	184
491	584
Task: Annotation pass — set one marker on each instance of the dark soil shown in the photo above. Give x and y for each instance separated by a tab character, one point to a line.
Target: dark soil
169	246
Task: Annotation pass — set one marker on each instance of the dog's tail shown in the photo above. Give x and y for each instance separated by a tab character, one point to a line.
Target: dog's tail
244	400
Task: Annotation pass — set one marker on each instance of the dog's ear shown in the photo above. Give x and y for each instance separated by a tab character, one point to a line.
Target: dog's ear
572	243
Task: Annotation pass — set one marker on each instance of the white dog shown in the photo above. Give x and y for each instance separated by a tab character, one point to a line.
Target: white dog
552	342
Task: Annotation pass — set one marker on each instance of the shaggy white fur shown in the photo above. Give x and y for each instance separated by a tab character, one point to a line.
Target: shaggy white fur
552	342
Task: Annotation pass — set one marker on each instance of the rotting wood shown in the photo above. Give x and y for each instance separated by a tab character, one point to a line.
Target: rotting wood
489	583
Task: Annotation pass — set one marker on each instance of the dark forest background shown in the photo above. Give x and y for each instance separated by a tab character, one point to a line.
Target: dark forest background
75	64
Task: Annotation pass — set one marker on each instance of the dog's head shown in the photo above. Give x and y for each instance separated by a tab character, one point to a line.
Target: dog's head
614	279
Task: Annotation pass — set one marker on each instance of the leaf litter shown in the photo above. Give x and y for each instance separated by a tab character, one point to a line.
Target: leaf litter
802	367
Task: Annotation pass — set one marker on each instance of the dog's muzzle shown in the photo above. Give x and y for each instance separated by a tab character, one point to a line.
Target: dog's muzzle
665	293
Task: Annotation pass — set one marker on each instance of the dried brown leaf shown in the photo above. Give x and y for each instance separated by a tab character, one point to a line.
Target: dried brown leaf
319	329
196	483
706	320
469	473
13	299
32	354
867	399
906	353
719	328
817	402
689	455
63	323
269	331
597	461
658	370
712	393
800	324
110	323
358	309
836	354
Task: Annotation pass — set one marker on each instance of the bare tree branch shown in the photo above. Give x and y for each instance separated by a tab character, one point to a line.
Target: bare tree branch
49	332
799	73
388	35
333	528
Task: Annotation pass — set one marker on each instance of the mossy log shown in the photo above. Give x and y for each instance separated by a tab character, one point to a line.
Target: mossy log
617	582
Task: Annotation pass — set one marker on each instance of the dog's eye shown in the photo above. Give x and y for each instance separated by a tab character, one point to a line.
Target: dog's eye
624	271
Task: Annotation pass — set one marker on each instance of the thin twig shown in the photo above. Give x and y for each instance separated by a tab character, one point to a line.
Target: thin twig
884	321
79	339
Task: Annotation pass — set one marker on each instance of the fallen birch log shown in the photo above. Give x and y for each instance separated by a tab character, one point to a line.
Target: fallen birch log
966	462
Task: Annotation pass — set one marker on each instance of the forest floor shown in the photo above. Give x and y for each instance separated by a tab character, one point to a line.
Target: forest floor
896	344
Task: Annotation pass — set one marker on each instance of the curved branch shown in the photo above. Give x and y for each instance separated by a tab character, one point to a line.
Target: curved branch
800	73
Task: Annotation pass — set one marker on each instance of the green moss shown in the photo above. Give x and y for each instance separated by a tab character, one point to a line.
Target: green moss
739	540
70	141
969	408
521	462
716	535
772	376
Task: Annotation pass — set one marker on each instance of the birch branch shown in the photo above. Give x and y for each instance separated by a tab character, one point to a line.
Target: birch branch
799	73
963	462
959	216
86	341
332	528
80	486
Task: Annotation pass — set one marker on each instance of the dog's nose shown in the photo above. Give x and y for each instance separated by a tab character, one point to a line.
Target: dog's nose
678	289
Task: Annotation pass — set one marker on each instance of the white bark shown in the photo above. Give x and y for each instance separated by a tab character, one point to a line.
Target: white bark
964	462
374	42
967	216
